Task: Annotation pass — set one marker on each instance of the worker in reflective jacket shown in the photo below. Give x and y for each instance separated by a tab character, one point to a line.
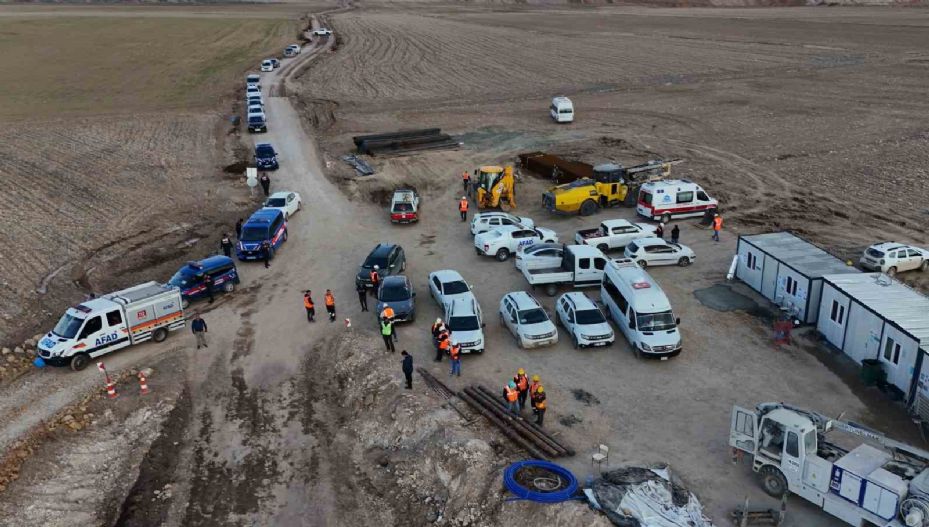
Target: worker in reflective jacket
465	179
388	314
511	395
309	306
387	330
437	328
463	208
540	406
522	385
375	279
443	347
454	354
717	226
330	305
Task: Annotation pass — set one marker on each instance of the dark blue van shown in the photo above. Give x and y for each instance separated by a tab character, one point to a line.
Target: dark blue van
265	224
190	278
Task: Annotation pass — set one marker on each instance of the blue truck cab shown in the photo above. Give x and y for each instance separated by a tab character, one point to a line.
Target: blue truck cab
191	278
265	224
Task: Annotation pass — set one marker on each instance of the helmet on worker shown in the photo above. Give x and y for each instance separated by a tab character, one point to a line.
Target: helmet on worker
520	371
535	378
463	197
541	389
512	385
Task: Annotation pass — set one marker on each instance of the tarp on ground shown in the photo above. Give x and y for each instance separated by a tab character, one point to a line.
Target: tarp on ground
647	497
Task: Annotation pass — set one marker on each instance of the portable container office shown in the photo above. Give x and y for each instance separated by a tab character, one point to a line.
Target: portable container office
787	270
873	316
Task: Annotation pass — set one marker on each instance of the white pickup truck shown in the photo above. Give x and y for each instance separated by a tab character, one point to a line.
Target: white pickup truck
582	265
101	325
614	234
506	240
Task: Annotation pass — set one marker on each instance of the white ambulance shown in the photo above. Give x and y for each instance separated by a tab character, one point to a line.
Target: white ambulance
673	198
102	325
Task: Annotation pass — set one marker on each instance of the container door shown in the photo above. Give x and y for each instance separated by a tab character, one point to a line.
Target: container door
769	277
743	430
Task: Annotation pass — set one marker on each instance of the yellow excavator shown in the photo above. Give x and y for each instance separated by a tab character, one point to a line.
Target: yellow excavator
496	186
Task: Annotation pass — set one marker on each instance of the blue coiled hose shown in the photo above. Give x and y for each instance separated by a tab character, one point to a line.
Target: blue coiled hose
523	493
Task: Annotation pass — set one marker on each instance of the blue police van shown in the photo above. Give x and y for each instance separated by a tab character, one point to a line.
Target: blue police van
264	225
191	279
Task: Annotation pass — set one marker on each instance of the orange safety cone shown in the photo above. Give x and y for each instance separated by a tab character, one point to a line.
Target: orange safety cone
348	323
143	384
111	390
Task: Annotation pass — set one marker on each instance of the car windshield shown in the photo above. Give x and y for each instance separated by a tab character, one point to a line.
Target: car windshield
875	253
403	207
532	316
264	152
454	288
395	293
589	316
275	202
469	323
255	119
68	326
182	278
656	321
379	261
254	234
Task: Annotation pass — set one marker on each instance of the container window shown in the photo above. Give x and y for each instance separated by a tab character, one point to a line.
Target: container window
838	312
892	351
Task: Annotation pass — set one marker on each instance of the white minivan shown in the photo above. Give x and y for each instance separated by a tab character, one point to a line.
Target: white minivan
640	309
561	110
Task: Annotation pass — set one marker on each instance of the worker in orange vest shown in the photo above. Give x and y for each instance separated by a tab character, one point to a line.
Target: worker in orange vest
465	179
522	385
540	406
443	346
717	226
308	304
511	395
463	208
387	315
454	355
375	279
330	305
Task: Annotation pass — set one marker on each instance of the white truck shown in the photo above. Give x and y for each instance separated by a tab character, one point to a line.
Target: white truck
614	234
101	325
864	486
507	239
581	265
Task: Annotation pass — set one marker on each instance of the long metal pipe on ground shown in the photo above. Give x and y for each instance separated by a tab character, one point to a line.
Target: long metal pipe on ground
568	451
519	424
518	439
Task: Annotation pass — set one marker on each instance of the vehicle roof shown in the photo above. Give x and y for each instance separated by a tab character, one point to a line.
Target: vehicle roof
253	75
281	194
584	251
579	300
266	60
382	249
650	241
263	145
523	300
891	246
138	292
210	262
670	183
264	216
395	280
648	297
560	98
466	306
542	245
447	275
617	222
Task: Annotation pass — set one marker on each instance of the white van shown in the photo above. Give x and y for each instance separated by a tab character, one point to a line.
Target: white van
561	110
673	198
101	325
640	309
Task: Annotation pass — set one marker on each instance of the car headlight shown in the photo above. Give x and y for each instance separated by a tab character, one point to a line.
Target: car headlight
645	347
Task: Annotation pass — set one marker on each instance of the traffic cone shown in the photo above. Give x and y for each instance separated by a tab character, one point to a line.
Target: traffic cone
348	323
111	390
143	384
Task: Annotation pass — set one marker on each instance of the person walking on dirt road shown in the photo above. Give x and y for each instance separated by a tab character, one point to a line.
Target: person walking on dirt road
208	286
675	234
717	226
266	253
309	306
330	305
362	295
387	330
463	208
226	245
454	357
407	369
265	181
465	181
199	329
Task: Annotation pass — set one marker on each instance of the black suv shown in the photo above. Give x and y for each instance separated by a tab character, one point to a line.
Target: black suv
388	257
265	157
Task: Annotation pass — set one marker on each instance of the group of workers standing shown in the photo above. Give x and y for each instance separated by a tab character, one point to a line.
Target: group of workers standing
445	344
310	306
519	389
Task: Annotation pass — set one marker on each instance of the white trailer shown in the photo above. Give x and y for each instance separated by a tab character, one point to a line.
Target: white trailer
865	486
102	325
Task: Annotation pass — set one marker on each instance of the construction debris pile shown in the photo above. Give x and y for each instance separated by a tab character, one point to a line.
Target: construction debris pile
403	142
647	497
